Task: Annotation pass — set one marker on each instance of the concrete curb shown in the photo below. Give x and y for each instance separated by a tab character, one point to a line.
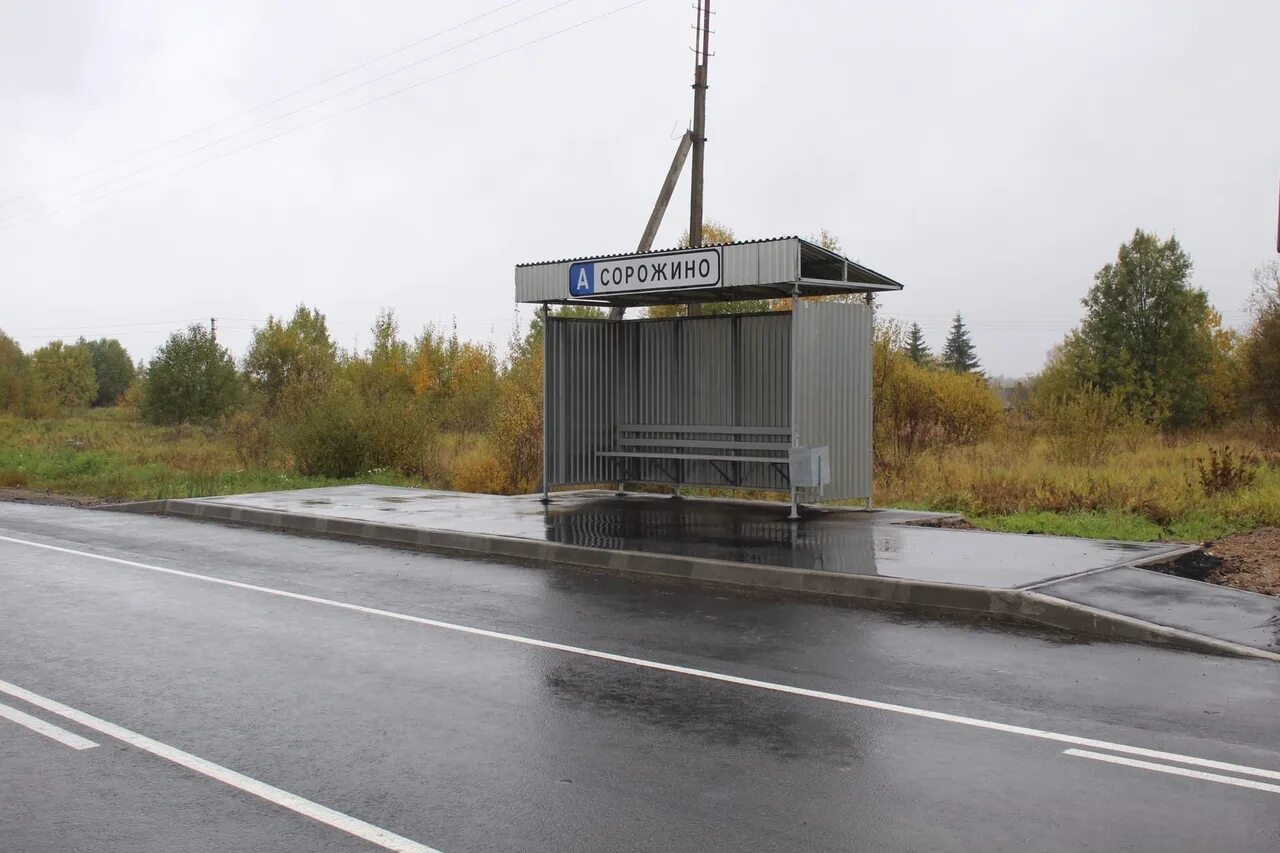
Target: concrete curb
1005	604
138	507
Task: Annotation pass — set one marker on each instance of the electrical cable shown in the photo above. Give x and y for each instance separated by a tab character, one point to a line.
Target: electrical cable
292	112
14	221
262	105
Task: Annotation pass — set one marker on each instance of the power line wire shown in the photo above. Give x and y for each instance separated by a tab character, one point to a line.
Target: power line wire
262	105
95	326
5	224
300	109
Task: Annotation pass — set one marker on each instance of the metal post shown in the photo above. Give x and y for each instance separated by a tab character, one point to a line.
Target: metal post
871	449
700	52
791	372
546	451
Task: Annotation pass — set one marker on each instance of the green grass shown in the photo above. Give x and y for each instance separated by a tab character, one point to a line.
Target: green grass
110	454
1148	491
1090	525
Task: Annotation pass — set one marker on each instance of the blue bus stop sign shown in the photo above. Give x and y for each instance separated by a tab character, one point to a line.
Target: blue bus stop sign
582	279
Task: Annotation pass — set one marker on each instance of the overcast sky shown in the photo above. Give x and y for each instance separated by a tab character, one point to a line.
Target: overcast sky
990	156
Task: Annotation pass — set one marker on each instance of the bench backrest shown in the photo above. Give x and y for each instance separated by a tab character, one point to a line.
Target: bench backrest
706	429
707	436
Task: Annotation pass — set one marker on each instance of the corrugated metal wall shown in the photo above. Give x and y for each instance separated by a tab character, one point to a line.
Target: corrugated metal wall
711	371
832	351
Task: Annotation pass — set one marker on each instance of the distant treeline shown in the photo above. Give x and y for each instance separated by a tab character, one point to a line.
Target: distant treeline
1150	355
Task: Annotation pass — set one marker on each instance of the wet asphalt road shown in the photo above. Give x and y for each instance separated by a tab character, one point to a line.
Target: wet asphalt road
472	742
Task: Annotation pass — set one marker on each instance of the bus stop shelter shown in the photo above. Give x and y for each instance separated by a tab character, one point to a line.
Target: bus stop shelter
778	400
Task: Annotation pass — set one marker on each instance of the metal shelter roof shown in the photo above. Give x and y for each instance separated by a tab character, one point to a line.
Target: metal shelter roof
749	269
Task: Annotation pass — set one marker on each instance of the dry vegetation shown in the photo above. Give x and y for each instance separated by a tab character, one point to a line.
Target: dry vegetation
1097	445
1142	487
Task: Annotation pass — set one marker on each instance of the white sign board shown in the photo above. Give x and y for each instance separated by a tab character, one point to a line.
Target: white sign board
679	270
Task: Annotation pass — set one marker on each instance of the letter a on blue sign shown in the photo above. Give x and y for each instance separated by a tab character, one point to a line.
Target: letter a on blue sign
582	279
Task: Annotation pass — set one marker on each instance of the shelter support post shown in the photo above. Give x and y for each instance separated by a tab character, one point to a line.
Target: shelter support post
546	455
791	373
871	451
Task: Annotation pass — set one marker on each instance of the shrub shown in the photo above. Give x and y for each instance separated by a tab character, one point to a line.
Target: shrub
62	376
1226	472
192	377
919	407
14	478
518	439
326	437
1079	425
968	410
1261	348
252	437
296	355
478	470
131	399
112	370
340	434
13	375
402	436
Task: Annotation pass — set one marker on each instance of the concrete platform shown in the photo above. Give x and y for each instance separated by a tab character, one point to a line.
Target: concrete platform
876	556
1203	608
876	543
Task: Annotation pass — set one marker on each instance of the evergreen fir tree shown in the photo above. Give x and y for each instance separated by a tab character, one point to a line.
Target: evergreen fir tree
959	353
917	349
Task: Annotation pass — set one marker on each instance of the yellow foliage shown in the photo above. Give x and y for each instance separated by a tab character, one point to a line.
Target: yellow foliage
478	470
424	374
1155	478
518	439
1082	426
919	407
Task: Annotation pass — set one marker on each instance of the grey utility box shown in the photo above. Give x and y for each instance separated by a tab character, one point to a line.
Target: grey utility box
810	467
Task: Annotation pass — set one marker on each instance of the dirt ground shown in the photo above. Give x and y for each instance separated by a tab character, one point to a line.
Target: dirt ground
38	496
948	523
1249	561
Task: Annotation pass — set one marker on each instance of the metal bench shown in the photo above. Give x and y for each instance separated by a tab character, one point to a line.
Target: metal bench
723	447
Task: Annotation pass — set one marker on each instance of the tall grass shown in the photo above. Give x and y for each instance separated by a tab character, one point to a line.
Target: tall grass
112	454
1142	488
1145	486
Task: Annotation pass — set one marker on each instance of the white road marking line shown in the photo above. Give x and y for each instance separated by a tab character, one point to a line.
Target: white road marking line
353	826
49	730
1175	771
774	687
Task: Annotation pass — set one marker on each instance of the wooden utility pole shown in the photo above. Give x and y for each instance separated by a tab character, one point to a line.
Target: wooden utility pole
692	140
664	195
701	52
660	206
